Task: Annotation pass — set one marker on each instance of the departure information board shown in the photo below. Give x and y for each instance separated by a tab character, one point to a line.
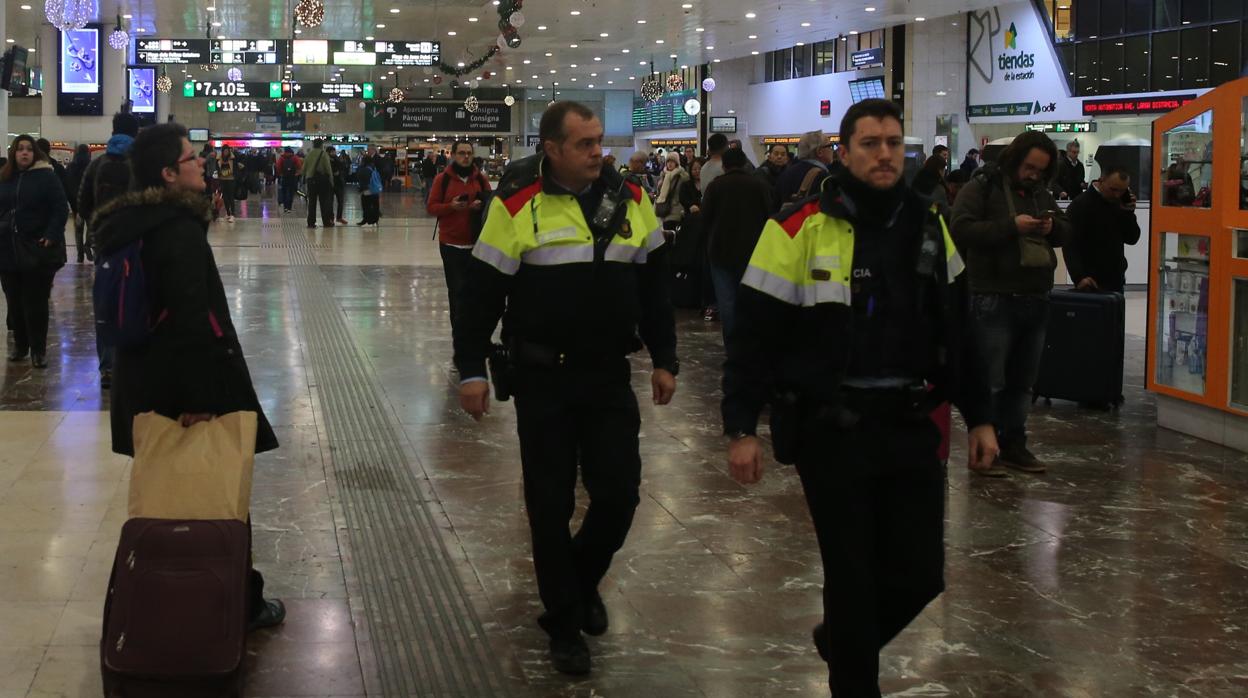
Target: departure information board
171	51
197	88
249	51
667	113
294	106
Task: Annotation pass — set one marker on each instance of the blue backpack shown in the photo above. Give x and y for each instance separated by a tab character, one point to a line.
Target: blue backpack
374	183
123	307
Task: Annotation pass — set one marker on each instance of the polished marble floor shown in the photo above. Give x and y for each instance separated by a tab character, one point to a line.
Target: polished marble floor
1123	572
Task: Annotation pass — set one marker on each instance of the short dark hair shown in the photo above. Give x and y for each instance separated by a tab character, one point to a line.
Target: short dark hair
734	158
1115	170
154	149
781	146
876	108
125	124
1012	157
717	143
972	151
551	127
958	177
317	142
940	149
455	147
45	145
290	150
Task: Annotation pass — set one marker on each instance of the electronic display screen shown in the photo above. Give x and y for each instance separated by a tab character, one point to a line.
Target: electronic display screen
15	71
723	124
323	106
78	71
249	51
210	88
171	51
310	52
142	90
866	88
198	135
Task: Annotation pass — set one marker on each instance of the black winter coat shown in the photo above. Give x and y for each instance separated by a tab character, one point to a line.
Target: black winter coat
40	210
734	210
1101	228
193	362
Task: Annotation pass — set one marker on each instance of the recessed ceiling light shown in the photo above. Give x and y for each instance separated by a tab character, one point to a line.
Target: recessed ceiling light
573	79
710	48
220	36
572	45
753	36
597	58
527	61
625	51
672	56
753	53
610	82
541	27
391	72
853	32
510	68
590	85
141	30
552	71
642	63
519	81
575	13
211	8
27	7
383	77
658	41
394	10
297	31
457	65
216	24
632	77
448	33
534	77
920	19
30	50
870	9
549	54
641	21
716	60
699	29
805	24
604	35
369	38
732	111
381	26
593	75
616	69
8	41
687	6
750	15
473	19
800	44
573	65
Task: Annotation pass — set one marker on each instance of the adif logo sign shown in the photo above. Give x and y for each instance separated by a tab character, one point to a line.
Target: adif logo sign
1014	64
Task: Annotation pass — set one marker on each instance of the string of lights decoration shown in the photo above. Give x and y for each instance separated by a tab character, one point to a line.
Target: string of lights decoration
164	83
652	89
675	81
68	15
310	13
397	95
119	39
471	104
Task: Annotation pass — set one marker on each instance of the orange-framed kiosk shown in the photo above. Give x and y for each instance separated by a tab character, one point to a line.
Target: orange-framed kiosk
1197	351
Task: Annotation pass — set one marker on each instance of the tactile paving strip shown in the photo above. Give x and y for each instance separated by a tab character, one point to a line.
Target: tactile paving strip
422	627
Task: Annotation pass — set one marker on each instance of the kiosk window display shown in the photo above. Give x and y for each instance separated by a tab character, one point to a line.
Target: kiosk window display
1198	291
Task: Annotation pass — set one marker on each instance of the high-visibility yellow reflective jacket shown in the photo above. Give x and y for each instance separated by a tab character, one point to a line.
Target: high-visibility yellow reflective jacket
797	329
563	283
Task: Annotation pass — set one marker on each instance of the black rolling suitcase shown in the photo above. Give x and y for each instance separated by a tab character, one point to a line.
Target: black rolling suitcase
1083	348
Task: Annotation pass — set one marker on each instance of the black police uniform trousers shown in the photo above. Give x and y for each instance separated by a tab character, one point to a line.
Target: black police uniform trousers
567	416
876	493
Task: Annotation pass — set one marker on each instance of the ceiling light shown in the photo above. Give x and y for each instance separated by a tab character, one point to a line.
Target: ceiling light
572	45
687	6
853	33
800	44
457	65
510	68
573	79
27	7
616	69
870	9
394	10
641	21
732	111
699	29
573	65
920	19
753	36
604	35
658	41
610	82
221	36
597	58
141	30
472	19
552	71
590	85
297	31
549	54
710	48
672	56
211	8
527	61
642	63
541	27
534	77
805	24
426	79
369	38
575	13
381	26
383	77
753	53
8	41
519	81
750	15
216	24
592	75
632	77
716	60
625	51
684	67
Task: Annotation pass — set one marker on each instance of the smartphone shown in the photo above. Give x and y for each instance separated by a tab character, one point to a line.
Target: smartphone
462	197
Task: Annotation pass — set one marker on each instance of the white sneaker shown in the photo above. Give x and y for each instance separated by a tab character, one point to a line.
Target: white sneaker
229	219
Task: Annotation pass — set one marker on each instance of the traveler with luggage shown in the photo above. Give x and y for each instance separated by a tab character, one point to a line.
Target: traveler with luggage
1007	221
1103	222
735	208
805	176
370	191
458	201
191	366
850	319
33	213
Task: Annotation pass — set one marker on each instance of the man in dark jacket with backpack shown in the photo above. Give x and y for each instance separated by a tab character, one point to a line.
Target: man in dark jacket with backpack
106	178
191	366
804	177
458	198
734	208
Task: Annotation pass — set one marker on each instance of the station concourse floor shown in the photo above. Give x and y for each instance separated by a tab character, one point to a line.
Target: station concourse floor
1123	572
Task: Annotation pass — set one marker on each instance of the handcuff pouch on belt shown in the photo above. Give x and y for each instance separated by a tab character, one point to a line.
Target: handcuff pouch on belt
501	371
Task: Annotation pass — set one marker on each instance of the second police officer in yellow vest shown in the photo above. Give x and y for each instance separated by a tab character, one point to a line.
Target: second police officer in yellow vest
571	259
850	324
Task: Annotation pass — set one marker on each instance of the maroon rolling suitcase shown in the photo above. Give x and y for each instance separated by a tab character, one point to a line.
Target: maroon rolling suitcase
175	615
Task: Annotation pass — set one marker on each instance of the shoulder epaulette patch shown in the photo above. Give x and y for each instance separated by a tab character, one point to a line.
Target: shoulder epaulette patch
516	201
793	219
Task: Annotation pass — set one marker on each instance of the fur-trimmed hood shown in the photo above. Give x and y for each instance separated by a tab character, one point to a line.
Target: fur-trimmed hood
137	213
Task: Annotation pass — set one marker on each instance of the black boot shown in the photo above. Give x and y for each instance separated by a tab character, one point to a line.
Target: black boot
570	655
38	361
18	354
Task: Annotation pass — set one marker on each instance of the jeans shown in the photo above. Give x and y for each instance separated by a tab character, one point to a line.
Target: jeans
371	203
27	294
1008	331
455	261
726	282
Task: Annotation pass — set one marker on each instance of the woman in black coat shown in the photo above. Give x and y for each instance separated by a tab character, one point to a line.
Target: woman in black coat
193	363
33	212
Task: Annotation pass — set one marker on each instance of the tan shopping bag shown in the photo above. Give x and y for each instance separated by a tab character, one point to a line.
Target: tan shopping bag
198	472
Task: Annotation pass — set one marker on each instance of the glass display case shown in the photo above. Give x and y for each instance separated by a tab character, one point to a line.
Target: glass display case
1183	317
1187	150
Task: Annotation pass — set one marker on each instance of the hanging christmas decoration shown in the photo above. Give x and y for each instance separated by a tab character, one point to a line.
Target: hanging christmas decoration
164	83
119	39
68	15
208	67
396	95
652	89
708	84
509	100
471	104
234	74
310	13
675	81
437	79
486	75
509	20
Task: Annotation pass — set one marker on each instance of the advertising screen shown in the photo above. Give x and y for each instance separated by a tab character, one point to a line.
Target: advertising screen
78	72
15	78
80	61
142	90
310	52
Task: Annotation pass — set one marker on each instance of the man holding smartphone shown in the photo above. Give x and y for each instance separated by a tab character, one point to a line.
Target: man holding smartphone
1104	223
457	199
1007	221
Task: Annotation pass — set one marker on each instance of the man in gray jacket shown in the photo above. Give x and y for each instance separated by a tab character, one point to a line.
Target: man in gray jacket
1007	223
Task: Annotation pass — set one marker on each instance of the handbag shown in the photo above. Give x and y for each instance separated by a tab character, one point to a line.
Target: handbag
200	472
29	255
663	208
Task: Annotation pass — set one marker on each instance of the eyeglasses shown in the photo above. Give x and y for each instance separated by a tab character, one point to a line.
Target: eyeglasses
188	158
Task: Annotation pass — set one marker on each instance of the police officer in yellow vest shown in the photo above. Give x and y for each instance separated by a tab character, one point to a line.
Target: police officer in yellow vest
850	326
574	254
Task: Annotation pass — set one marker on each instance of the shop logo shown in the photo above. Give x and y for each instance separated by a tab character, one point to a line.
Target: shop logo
1011	36
1013	63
